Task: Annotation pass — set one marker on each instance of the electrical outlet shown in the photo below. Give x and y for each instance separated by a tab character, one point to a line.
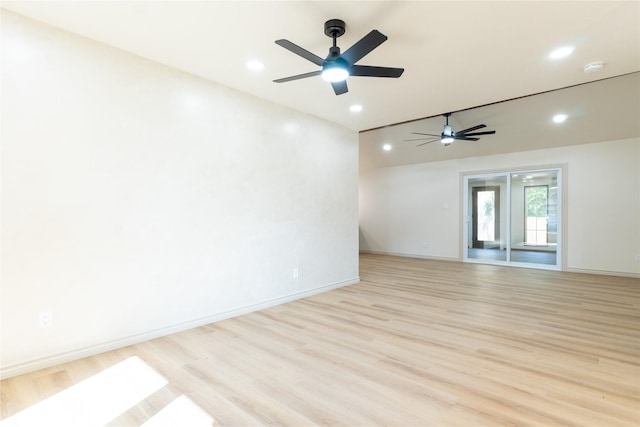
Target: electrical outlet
637	257
46	319
295	272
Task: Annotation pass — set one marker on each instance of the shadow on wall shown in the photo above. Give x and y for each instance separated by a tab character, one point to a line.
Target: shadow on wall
364	240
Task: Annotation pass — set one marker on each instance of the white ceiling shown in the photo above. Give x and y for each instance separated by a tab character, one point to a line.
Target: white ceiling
456	54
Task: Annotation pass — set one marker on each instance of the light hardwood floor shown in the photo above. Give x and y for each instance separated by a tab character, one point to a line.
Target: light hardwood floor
416	343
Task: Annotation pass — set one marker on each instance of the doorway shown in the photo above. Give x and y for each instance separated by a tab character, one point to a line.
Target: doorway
486	217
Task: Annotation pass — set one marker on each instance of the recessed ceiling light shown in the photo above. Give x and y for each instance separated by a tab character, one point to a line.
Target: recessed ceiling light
561	52
355	108
255	65
387	147
559	118
593	67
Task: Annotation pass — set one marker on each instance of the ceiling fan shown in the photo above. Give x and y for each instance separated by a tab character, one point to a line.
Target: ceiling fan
337	67
448	136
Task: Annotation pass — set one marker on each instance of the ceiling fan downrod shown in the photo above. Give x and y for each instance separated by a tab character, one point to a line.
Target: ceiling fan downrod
334	28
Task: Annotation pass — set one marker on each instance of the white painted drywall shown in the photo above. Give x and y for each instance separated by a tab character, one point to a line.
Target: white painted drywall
138	200
415	210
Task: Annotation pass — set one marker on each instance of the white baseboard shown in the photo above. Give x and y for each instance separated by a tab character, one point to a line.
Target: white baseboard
408	255
603	272
56	359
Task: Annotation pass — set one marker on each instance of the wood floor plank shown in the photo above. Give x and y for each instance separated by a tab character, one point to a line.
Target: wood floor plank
416	343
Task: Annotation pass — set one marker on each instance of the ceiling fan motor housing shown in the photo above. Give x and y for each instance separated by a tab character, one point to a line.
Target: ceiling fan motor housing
334	52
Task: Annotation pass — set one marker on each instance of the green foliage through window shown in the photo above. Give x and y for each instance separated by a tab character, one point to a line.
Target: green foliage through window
537	199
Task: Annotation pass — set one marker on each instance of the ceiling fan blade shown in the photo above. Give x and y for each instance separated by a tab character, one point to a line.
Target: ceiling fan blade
428	142
363	46
428	134
368	71
464	138
488	132
340	87
416	139
471	129
299	76
292	47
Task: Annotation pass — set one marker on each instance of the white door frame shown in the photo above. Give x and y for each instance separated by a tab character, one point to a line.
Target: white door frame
508	174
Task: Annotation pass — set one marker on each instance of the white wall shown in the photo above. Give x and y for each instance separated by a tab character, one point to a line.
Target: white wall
138	200
415	210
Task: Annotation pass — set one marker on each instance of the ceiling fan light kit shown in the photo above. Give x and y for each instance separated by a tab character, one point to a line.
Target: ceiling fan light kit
336	71
337	67
446	140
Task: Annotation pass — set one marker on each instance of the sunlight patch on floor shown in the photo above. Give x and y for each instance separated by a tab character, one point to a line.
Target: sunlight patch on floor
181	412
94	401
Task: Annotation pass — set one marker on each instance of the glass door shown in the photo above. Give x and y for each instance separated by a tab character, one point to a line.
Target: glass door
534	217
513	218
